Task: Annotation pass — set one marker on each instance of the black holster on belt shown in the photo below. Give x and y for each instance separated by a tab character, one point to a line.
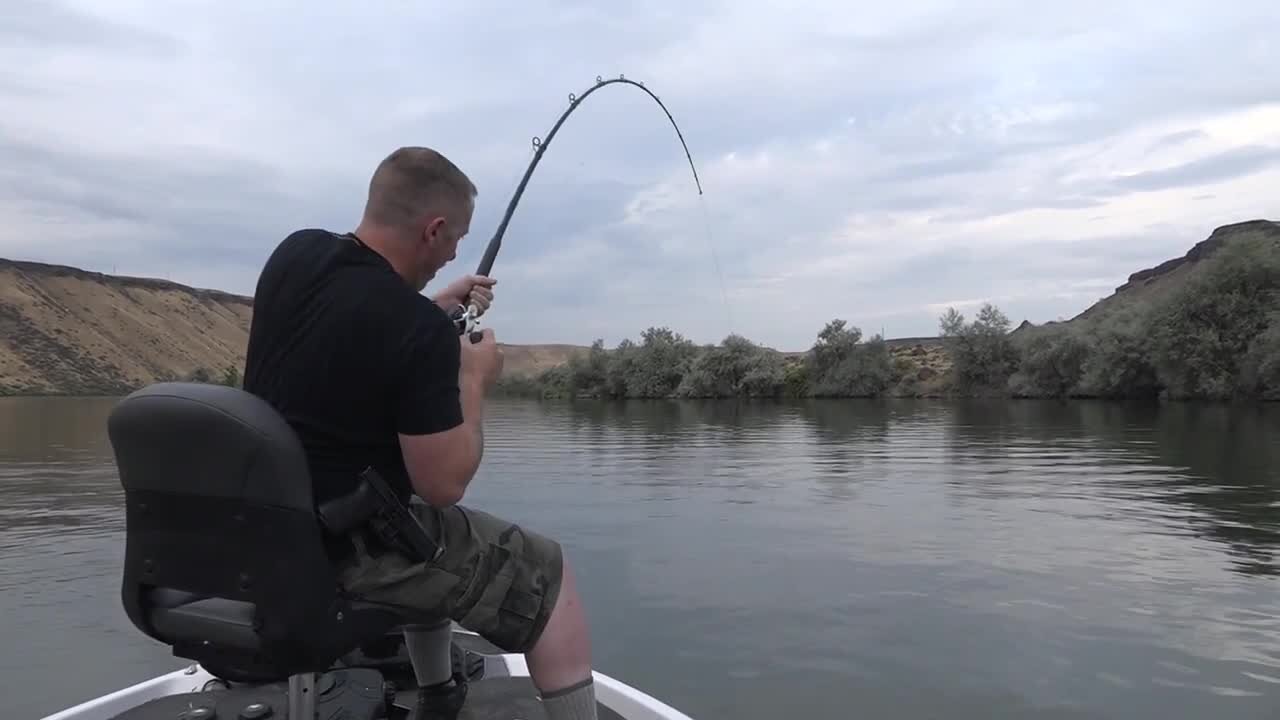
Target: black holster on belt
373	507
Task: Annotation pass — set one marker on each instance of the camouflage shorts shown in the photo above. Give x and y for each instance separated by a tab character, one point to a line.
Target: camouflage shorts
494	578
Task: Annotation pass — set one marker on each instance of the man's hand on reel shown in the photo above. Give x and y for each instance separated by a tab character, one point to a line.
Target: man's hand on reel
469	291
466	299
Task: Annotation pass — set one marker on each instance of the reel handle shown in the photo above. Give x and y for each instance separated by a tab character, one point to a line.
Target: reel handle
465	323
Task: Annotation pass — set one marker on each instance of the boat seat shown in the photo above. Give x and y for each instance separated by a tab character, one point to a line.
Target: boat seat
226	558
188	616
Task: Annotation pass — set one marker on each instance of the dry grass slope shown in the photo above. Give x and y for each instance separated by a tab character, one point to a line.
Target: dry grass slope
528	360
67	331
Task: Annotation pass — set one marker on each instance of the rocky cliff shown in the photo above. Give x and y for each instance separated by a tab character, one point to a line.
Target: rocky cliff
1146	286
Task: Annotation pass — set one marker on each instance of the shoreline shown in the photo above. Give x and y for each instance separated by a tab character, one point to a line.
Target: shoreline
1155	403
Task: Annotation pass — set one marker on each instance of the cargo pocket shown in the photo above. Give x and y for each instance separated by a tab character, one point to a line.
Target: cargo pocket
490	580
467	601
507	613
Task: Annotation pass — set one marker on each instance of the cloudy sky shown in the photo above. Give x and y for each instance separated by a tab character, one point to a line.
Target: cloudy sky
876	162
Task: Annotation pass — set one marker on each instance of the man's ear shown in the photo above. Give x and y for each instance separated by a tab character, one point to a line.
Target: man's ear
433	230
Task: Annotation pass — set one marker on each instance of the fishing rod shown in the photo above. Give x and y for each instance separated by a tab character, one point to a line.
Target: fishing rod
465	319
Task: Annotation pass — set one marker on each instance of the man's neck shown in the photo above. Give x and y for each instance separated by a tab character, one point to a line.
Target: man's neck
384	242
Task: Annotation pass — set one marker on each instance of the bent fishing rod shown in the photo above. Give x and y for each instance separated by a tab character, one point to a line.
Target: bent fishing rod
465	320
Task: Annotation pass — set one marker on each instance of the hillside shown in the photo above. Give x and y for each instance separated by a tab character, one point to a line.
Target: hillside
1152	285
520	360
68	331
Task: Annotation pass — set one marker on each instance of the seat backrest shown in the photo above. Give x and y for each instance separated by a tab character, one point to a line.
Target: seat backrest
219	506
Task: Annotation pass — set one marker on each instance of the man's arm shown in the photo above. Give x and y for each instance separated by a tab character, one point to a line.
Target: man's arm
441	464
439	411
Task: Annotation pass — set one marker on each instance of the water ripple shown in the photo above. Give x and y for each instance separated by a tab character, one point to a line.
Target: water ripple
921	559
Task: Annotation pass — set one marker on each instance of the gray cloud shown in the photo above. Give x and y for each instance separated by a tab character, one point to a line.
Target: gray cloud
863	162
1178	138
1222	166
54	25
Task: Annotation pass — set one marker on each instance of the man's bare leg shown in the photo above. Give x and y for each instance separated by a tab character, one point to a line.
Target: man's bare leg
560	663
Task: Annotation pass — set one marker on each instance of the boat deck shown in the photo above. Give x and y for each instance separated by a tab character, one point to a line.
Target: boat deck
504	697
514	697
356	692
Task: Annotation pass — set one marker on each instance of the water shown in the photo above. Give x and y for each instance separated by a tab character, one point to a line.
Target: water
815	560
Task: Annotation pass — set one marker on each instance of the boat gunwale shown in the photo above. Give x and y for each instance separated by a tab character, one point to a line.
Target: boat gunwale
623	699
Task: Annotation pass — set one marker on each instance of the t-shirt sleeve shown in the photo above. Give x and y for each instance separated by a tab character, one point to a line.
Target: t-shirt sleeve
426	394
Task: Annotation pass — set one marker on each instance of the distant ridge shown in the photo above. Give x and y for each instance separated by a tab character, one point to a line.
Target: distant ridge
61	271
1202	250
1146	286
65	330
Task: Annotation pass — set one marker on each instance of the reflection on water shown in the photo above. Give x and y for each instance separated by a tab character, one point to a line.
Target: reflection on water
833	559
1197	469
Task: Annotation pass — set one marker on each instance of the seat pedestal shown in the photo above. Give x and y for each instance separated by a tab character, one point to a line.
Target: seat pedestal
302	696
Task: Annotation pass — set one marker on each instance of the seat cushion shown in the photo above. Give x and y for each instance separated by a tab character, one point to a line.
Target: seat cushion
228	623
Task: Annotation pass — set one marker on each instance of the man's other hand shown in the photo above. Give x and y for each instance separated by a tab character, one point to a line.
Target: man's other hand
481	361
468	290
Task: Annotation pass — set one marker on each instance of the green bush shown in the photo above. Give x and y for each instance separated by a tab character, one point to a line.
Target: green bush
1051	365
795	379
200	375
735	368
658	364
841	365
588	376
1260	367
983	356
1200	336
231	376
1119	364
1218	336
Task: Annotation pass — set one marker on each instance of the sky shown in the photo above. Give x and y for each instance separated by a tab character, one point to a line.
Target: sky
871	162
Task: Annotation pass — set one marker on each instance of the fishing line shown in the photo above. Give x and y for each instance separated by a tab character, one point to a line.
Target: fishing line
465	318
715	259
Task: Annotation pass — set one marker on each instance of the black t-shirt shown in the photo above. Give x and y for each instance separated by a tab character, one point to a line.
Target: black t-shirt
350	355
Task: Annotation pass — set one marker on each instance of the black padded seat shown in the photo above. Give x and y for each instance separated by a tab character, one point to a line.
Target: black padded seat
228	623
225	556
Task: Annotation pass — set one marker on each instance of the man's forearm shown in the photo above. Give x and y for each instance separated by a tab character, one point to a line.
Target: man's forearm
472	392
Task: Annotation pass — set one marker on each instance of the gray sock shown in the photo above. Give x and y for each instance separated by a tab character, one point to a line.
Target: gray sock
576	702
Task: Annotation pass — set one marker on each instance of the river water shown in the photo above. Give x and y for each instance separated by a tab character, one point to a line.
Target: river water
832	559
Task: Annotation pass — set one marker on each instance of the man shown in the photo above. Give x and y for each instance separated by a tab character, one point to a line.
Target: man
370	372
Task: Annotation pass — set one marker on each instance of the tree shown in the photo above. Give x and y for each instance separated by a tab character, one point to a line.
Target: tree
982	354
1051	365
589	376
737	367
841	365
658	364
1119	362
1202	333
1260	368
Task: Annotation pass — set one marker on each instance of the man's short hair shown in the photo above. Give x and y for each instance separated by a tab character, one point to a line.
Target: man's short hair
412	180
